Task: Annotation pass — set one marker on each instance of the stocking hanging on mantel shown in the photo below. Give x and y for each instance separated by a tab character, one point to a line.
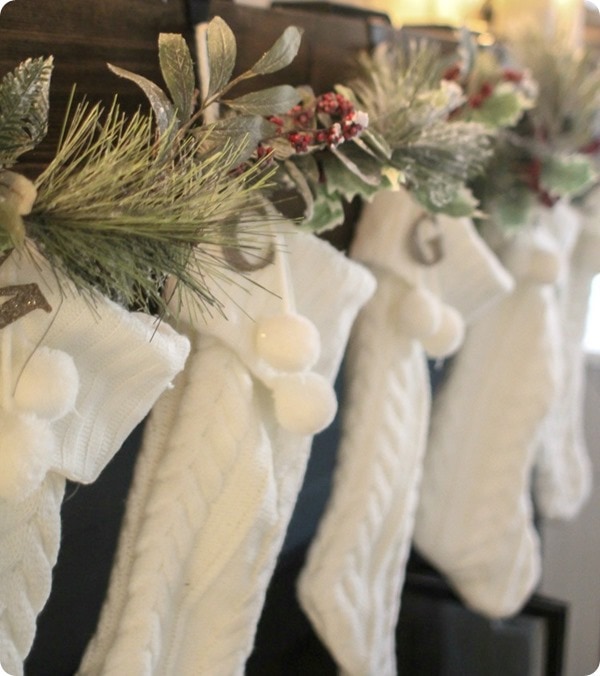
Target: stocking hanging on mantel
351	584
563	476
221	466
78	375
474	521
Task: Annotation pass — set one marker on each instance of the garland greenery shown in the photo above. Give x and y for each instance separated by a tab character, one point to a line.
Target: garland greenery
129	201
549	152
179	192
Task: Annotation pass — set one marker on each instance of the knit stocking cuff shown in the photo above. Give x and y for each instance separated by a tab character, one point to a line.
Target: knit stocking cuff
123	361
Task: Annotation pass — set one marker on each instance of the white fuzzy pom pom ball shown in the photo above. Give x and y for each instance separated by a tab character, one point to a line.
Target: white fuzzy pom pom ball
288	342
449	336
26	449
305	403
420	313
49	384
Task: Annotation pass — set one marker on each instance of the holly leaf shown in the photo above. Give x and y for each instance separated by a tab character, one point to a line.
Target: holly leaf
567	175
511	210
462	203
344	181
281	54
272	101
376	142
24	108
328	212
222	51
178	72
363	165
164	111
501	109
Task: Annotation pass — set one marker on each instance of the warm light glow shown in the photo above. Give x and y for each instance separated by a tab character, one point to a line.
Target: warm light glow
511	17
448	12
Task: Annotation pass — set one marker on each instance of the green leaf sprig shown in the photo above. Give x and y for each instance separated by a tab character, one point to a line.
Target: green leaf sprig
549	154
181	110
24	108
411	130
129	201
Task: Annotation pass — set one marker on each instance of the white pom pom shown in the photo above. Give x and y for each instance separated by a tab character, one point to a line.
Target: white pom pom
49	384
288	342
26	449
305	403
449	336
420	313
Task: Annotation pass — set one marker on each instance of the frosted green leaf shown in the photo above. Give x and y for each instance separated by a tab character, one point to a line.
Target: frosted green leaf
24	108
281	54
567	175
222	50
328	212
178	72
163	109
272	101
343	179
501	109
512	209
359	163
461	203
376	142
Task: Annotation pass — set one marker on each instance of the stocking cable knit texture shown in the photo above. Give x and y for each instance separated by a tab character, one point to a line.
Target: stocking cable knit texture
563	477
215	486
350	586
124	362
474	520
29	542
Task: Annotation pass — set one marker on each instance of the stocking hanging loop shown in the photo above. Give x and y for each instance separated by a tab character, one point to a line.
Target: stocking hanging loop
426	240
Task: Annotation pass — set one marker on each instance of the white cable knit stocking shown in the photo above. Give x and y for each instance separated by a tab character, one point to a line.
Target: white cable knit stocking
216	483
474	520
563	476
351	584
122	362
29	543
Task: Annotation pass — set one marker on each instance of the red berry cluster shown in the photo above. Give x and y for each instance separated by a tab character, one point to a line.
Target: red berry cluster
334	112
452	73
300	140
478	99
334	104
301	116
263	151
511	75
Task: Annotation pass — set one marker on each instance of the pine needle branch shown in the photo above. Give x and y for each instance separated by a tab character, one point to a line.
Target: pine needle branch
117	213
